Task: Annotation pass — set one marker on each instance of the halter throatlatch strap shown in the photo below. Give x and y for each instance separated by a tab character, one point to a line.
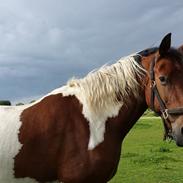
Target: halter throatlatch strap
153	83
164	112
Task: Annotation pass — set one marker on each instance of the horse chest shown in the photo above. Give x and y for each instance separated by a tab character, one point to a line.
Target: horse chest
88	168
98	165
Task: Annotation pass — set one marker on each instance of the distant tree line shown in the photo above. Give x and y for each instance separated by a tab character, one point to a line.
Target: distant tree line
5	102
8	103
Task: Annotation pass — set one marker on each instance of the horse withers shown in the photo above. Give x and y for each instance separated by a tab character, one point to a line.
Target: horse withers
74	134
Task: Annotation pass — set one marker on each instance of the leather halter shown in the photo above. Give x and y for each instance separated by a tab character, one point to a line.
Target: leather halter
164	111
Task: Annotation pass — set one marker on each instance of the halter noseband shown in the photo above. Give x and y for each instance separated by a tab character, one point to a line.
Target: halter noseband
164	112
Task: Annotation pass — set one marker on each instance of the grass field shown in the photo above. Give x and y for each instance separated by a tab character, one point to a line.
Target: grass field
146	158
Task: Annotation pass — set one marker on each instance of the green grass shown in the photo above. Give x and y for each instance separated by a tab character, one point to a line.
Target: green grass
146	158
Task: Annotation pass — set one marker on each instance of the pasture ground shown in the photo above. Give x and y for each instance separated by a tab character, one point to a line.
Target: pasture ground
146	158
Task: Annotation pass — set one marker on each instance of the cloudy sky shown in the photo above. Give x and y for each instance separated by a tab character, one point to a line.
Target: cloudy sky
43	43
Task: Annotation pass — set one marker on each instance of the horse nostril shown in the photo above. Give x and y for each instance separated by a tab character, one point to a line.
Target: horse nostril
182	130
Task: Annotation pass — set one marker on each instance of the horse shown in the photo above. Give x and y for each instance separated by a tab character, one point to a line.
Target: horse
74	134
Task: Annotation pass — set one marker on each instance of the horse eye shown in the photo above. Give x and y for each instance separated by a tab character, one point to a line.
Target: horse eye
163	80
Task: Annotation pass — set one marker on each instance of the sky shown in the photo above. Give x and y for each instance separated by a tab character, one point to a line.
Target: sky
44	43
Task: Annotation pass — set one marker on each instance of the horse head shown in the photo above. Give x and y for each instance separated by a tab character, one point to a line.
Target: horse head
164	87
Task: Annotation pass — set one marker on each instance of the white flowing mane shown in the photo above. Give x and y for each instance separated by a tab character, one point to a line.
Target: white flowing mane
111	83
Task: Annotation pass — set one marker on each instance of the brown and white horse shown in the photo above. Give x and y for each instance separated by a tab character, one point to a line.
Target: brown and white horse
74	134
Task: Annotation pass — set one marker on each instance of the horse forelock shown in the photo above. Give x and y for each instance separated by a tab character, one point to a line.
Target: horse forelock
175	55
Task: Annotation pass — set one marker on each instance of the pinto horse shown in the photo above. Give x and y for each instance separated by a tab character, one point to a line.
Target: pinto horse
74	134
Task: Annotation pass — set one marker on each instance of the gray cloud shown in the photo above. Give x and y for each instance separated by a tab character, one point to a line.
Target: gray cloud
44	43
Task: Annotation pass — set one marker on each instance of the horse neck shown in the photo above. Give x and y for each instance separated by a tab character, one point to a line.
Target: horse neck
129	114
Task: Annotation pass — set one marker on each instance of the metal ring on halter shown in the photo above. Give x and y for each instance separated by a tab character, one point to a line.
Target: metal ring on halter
153	84
165	114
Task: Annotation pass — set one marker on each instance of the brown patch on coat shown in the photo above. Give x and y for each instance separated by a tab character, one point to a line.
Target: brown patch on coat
43	134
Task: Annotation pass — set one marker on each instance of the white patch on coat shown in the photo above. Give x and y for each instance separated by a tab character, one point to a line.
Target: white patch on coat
9	143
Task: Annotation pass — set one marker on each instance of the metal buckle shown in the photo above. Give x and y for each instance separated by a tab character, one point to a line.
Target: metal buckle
153	84
165	114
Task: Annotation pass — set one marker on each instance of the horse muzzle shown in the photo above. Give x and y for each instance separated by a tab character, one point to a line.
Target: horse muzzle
177	131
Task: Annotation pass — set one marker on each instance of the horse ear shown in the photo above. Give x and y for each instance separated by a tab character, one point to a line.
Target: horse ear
181	49
165	44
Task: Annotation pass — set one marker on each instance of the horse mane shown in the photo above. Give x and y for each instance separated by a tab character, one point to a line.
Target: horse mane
148	51
110	85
